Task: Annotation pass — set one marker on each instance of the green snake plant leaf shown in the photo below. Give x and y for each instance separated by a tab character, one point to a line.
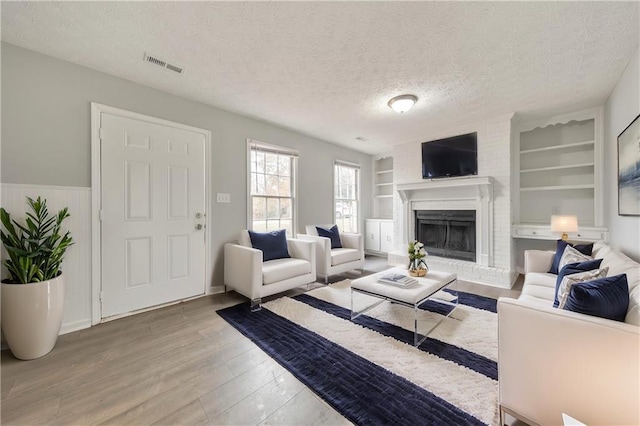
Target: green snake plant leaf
8	225
36	248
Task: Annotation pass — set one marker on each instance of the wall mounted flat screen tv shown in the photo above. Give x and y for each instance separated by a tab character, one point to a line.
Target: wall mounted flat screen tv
455	156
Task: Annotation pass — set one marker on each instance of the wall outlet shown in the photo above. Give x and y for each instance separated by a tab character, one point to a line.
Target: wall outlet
222	197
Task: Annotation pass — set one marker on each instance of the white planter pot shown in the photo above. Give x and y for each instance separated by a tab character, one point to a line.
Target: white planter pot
32	316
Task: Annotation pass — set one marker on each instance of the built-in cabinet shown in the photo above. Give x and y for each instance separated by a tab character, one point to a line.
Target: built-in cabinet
559	171
378	235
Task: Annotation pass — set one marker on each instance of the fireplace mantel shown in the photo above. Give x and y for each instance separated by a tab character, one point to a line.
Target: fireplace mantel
470	193
481	185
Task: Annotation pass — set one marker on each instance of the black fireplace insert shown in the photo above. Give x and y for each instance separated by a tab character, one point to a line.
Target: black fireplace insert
448	233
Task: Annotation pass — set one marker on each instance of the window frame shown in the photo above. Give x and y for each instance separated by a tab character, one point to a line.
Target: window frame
279	150
358	187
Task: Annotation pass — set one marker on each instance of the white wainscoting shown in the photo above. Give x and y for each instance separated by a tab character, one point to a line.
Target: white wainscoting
77	263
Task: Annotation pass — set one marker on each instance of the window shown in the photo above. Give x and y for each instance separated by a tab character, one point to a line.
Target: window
272	180
346	192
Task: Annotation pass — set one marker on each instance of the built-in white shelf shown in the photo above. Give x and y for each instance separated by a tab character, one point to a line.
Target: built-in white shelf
383	187
559	171
556	147
546	169
558	188
542	231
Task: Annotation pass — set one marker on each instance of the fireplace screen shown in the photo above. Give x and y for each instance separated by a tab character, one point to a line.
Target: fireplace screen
448	233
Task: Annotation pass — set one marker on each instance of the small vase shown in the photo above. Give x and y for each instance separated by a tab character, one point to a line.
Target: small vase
418	268
417	272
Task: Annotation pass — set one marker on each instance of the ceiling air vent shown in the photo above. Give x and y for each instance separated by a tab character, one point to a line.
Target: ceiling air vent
174	68
164	64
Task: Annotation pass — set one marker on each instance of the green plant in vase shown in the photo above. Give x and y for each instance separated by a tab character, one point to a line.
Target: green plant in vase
33	295
417	265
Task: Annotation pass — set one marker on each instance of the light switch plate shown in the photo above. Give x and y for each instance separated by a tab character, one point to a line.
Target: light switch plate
222	197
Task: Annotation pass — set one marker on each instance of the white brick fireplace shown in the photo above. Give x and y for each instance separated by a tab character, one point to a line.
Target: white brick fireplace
488	194
473	193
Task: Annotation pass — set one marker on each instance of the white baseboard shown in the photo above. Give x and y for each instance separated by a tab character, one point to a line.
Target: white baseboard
75	326
215	289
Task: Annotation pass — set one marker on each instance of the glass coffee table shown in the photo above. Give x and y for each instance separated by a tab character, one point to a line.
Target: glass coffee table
411	297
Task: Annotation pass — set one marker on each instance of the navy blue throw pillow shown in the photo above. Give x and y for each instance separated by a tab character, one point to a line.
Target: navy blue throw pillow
582	248
605	297
273	244
331	233
574	268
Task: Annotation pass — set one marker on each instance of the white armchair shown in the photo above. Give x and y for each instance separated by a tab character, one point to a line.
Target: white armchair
246	273
336	261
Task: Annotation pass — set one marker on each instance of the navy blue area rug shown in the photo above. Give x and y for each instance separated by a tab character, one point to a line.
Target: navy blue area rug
368	370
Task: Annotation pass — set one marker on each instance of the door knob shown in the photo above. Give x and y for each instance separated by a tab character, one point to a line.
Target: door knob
199	227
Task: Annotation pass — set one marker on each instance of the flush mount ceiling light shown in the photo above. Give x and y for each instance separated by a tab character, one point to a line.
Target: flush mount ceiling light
402	103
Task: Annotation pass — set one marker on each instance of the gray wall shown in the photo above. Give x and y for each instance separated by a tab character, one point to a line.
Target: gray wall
46	139
621	108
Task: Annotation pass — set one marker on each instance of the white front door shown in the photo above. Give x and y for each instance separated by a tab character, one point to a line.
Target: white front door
153	206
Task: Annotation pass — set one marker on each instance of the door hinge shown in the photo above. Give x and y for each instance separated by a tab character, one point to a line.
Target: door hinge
101	294
101	134
100	215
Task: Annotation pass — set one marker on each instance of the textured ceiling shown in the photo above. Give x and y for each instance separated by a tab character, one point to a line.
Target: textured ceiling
328	69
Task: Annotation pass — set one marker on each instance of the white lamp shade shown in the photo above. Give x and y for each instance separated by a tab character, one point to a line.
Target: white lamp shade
564	223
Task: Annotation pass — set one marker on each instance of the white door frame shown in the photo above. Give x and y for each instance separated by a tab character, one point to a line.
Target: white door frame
96	196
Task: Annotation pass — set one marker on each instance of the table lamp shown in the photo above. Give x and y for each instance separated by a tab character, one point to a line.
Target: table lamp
564	224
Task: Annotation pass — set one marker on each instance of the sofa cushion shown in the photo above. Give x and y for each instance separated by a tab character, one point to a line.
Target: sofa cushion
574	268
570	280
539	291
544	303
606	298
633	312
344	255
560	246
571	255
282	269
617	262
600	249
544	279
332	233
245	239
272	244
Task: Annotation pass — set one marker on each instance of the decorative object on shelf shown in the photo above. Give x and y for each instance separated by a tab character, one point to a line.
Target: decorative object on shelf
402	103
33	296
564	224
417	266
629	170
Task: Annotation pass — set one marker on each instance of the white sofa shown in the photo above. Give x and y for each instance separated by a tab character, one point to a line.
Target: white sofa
246	273
336	261
552	361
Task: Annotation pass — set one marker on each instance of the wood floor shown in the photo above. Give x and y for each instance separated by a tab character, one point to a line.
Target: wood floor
177	365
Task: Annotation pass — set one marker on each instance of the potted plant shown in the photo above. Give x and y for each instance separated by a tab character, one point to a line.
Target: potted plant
417	265
33	295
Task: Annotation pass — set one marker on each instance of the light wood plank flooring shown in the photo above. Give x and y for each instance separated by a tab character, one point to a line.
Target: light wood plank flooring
178	365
